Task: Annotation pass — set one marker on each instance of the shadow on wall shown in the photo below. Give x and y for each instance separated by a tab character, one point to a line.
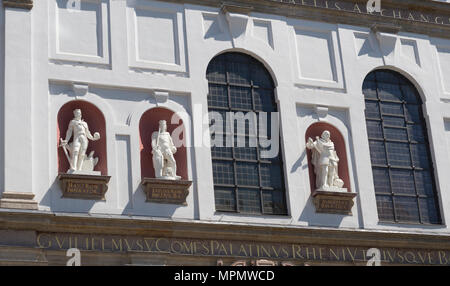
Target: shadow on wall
310	216
298	163
217	29
54	194
137	206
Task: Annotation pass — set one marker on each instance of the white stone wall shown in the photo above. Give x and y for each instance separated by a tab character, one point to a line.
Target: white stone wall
122	51
2	101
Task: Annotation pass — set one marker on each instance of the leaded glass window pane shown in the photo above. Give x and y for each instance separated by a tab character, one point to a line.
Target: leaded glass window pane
395	134
372	109
406	209
218	96
225	199
401	161
428	210
402	181
375	129
244	181
223	172
241	97
398	154
392	108
394	121
385	208
249	200
377	152
273	202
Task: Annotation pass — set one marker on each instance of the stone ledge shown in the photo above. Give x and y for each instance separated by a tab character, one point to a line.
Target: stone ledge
41	221
22	4
236	8
385	28
16	200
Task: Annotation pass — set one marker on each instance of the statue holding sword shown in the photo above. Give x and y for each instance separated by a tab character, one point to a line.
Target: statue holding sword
76	151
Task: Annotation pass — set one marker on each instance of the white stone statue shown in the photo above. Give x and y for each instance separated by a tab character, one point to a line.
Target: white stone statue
76	151
325	161
163	149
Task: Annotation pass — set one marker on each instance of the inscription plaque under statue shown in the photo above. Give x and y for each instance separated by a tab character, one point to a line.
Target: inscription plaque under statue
333	202
87	187
166	191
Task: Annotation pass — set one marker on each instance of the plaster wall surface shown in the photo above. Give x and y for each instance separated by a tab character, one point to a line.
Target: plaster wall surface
116	54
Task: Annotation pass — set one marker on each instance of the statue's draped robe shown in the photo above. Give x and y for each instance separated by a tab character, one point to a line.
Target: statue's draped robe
324	155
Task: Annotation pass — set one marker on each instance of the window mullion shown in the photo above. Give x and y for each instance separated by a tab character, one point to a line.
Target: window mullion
394	209
412	159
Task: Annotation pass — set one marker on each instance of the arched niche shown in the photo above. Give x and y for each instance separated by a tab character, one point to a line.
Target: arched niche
317	129
148	124
96	122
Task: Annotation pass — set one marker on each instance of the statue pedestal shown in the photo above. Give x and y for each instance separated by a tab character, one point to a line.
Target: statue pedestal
80	186
166	191
333	202
88	173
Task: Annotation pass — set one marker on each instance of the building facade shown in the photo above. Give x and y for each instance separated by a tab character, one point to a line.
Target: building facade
378	81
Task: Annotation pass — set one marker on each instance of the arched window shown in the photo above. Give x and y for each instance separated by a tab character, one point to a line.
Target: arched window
244	181
401	161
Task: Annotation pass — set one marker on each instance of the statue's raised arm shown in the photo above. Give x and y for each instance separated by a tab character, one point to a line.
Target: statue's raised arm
88	133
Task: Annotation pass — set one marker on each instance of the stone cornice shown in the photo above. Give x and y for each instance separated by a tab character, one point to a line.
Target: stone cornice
315	10
193	229
435	23
22	4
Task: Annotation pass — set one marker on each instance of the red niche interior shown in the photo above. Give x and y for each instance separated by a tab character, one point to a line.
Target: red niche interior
148	124
339	145
94	118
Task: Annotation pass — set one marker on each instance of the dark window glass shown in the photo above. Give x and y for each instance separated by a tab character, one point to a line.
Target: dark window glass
401	161
244	181
225	199
385	208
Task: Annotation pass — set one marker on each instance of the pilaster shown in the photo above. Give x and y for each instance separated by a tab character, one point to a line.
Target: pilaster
18	186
